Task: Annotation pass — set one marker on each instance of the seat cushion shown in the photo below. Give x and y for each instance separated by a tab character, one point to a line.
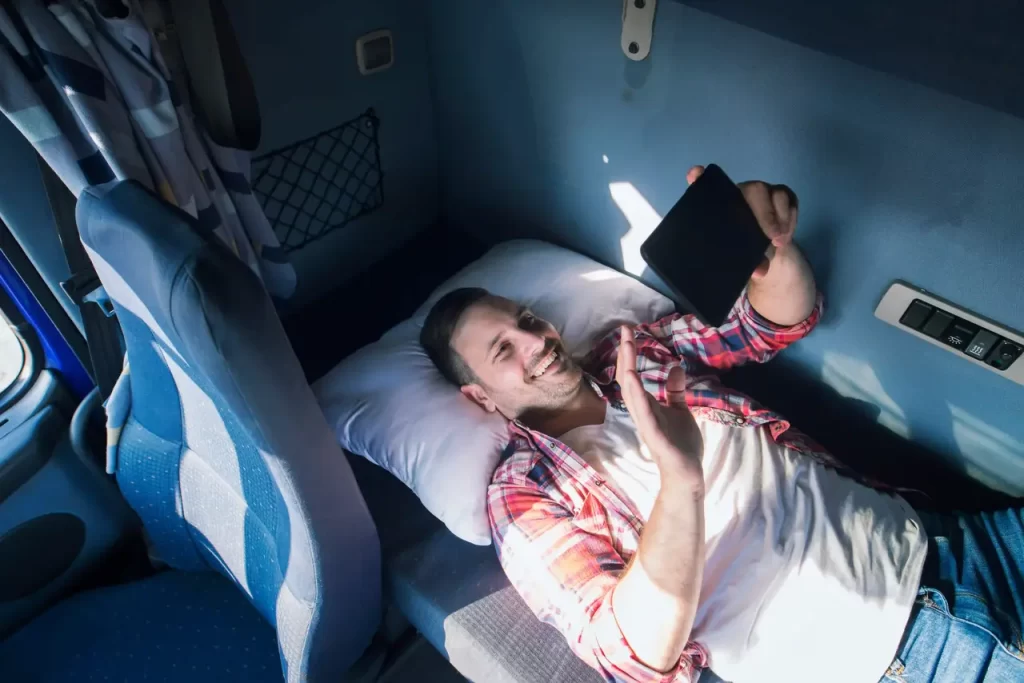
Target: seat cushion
174	626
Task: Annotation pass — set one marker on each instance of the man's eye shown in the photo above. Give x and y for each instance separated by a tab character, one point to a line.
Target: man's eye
503	350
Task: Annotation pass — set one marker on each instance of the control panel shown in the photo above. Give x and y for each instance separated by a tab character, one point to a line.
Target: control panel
983	342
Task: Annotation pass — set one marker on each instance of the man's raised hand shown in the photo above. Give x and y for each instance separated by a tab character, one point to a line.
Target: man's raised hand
669	431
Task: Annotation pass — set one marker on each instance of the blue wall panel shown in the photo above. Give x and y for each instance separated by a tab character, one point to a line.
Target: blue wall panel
545	129
302	59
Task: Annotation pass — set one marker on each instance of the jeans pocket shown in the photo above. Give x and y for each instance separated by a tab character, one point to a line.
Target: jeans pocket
978	609
930	598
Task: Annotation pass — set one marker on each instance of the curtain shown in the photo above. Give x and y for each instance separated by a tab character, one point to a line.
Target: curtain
94	97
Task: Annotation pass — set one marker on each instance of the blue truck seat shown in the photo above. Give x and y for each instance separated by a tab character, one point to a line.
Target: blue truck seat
174	626
225	455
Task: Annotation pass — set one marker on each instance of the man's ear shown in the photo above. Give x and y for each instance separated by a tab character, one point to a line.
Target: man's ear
476	394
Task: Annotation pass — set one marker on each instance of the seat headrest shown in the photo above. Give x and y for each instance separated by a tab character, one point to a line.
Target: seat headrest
188	287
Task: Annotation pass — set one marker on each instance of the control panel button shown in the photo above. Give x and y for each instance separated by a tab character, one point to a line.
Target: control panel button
916	314
946	325
982	344
1003	355
959	333
937	324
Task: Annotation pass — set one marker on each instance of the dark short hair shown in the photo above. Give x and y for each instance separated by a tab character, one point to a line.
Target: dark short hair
439	328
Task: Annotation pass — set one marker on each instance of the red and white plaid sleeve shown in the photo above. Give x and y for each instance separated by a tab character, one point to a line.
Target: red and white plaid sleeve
565	567
745	336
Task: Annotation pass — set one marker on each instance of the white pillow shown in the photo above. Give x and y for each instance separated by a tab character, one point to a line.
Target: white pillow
388	403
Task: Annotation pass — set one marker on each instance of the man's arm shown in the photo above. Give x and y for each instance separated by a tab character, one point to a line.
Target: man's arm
746	336
567	571
656	599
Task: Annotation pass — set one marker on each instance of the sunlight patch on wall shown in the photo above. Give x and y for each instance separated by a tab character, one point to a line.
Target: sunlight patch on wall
642	218
991	456
854	378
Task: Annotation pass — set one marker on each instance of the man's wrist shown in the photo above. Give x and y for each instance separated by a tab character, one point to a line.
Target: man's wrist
683	479
786	294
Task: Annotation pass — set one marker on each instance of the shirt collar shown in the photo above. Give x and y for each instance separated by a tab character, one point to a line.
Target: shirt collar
570	462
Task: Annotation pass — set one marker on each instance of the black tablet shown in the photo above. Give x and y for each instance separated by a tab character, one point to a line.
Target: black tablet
707	247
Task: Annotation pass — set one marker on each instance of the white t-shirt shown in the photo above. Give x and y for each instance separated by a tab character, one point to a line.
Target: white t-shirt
809	576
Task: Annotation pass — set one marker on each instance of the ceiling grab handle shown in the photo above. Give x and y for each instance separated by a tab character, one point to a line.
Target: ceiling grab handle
637	28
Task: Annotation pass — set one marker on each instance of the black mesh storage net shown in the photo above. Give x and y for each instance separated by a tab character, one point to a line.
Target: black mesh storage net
318	185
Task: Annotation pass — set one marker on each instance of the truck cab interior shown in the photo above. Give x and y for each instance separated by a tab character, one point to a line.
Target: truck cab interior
221	222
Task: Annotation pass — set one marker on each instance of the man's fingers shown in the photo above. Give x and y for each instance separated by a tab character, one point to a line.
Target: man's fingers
632	387
693	174
625	367
627	353
762	269
619	361
785	203
675	387
766	263
636	398
780	200
794	201
758	196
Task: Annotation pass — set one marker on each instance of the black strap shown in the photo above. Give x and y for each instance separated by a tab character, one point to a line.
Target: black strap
208	72
102	331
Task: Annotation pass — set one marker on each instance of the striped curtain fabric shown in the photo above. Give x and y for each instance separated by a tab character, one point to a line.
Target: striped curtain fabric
94	97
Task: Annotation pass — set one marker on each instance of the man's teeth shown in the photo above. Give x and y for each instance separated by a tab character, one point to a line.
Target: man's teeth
545	364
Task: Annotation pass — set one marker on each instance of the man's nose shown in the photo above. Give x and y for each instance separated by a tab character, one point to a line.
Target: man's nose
531	343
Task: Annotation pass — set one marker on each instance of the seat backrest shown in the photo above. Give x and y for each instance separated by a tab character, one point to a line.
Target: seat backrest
225	455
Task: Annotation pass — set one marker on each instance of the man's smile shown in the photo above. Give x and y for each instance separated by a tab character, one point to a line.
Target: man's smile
553	356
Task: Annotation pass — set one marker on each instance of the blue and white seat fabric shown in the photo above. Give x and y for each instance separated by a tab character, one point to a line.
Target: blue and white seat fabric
220	446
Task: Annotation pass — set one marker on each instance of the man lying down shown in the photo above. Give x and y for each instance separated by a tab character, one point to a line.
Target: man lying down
664	523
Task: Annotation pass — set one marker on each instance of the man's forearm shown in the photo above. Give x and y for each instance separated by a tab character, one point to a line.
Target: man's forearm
655	601
786	294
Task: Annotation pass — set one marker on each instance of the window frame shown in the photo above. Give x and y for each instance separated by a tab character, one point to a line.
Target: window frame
32	342
33	354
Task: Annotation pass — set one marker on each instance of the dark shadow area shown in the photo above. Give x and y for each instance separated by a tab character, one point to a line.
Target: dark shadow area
370	304
401	519
908	39
819	246
849	429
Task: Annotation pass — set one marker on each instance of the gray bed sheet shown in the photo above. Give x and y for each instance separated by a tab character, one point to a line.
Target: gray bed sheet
456	594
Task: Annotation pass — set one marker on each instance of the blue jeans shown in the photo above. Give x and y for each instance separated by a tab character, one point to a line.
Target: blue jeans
966	624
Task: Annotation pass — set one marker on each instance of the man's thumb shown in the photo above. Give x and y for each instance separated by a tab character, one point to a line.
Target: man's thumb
675	387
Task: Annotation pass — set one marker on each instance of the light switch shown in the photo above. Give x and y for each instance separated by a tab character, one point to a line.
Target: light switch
980	341
959	333
937	324
916	314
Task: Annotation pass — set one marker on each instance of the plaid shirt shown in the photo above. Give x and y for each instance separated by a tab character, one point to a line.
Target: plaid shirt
564	536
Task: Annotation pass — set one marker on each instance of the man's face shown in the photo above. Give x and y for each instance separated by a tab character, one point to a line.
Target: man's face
518	359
